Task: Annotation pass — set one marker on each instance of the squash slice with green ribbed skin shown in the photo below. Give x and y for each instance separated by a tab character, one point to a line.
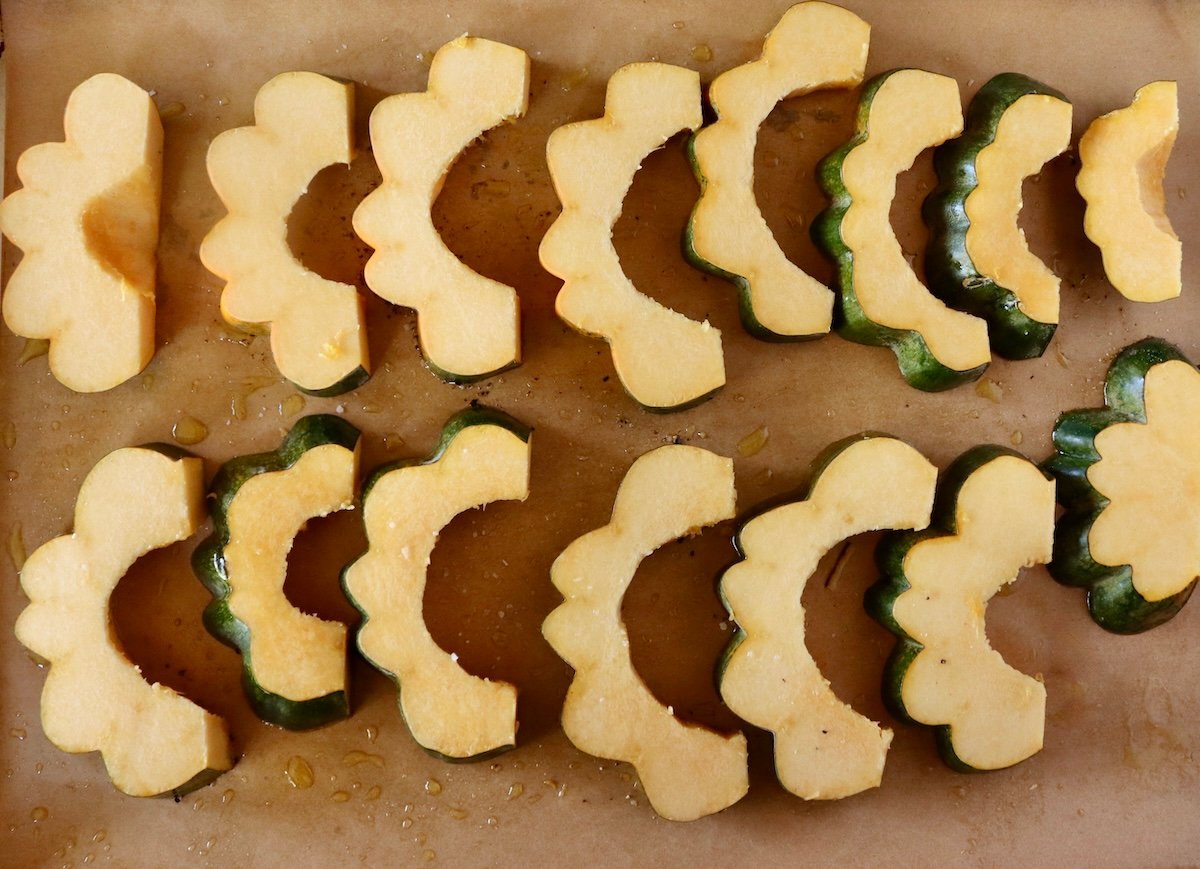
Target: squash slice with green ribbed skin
483	456
881	300
1128	475
294	664
977	259
993	516
154	742
814	46
686	771
823	748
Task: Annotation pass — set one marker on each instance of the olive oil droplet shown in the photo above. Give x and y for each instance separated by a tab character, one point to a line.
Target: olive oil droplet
34	347
16	546
189	430
291	405
354	758
514	790
753	443
373	793
299	773
39	814
340	796
702	53
433	787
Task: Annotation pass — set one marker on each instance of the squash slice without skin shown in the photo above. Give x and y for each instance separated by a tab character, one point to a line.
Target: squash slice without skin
87	220
815	45
977	259
1129	477
823	748
153	741
303	123
686	771
994	516
294	664
483	456
468	325
1123	157
882	302
664	360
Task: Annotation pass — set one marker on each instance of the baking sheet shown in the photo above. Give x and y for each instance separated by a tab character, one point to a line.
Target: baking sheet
1118	780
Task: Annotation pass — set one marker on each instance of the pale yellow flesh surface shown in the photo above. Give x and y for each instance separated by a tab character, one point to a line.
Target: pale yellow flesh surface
1032	131
448	710
686	771
1151	475
1123	157
662	358
152	739
303	123
292	654
912	110
823	748
87	220
815	45
468	324
1004	518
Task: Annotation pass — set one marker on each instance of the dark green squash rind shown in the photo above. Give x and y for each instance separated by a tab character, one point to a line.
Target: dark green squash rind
951	273
353	380
473	415
918	366
208	563
880	598
1112	601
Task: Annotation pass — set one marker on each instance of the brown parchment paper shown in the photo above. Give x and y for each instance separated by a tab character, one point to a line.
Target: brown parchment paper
1118	782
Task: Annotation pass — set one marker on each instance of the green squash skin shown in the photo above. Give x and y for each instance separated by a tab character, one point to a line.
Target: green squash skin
749	318
473	415
353	380
466	379
880	598
918	366
1112	601
208	563
951	274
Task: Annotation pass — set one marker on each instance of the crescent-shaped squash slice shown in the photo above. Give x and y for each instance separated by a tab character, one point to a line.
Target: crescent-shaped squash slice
483	456
293	664
993	516
823	748
815	45
686	770
87	220
882	302
664	360
468	325
153	741
303	123
1122	159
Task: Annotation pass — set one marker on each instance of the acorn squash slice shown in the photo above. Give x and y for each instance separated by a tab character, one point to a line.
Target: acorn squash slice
977	259
823	748
87	220
293	664
154	742
993	516
483	456
1129	477
1122	160
814	46
303	123
664	360
468	325
686	771
881	300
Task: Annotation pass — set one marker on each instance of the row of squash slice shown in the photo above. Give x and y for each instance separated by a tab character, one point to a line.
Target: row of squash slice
87	218
951	547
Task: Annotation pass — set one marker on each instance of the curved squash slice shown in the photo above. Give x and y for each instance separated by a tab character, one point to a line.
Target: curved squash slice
815	45
87	219
468	325
1128	474
686	771
823	748
994	516
483	456
294	664
1123	157
664	360
153	741
901	113
977	259
303	123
